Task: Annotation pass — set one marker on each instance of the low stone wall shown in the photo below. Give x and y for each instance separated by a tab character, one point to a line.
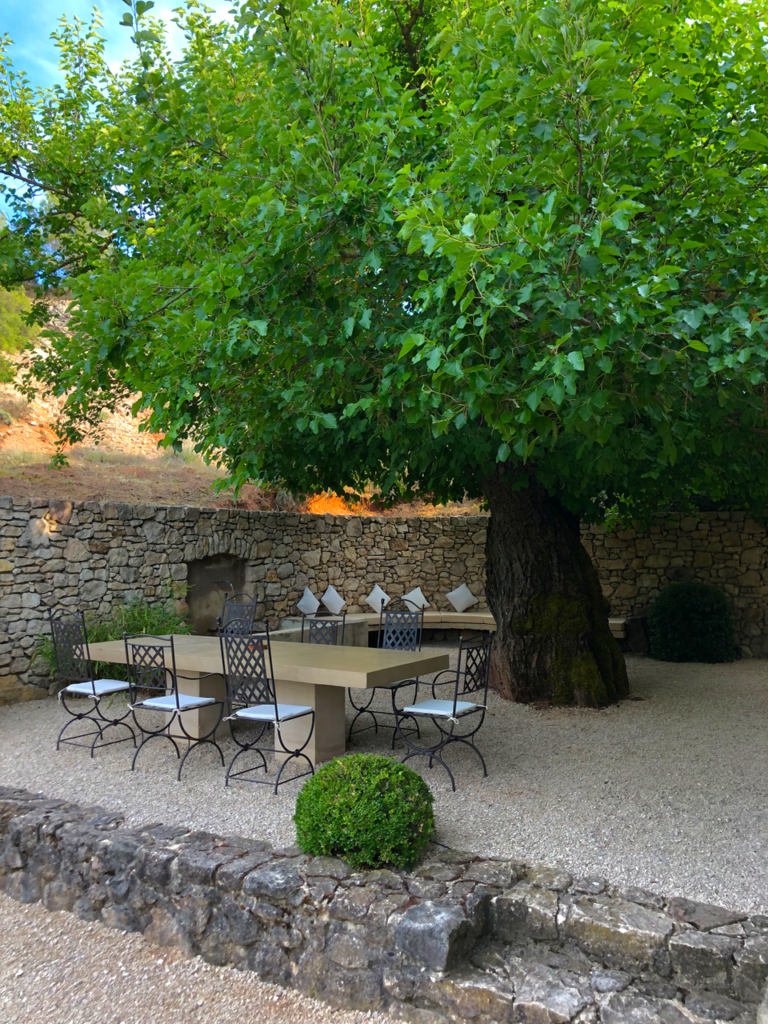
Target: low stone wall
460	938
87	555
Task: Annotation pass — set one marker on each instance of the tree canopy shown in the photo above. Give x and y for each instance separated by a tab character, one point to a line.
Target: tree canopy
337	244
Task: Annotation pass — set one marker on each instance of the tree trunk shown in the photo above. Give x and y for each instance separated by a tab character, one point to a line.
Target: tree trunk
553	642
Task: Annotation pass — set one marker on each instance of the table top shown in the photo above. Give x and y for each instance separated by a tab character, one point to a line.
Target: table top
358	667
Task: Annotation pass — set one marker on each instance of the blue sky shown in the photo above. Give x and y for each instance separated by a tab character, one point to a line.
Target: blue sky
29	23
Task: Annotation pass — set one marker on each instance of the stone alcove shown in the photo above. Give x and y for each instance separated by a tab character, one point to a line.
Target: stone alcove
210	579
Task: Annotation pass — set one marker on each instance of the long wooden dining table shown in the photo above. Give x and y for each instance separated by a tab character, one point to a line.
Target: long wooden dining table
313	675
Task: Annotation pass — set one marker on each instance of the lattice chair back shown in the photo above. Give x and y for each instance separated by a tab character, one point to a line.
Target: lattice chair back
70	645
401	625
248	671
474	664
237	614
327	629
151	664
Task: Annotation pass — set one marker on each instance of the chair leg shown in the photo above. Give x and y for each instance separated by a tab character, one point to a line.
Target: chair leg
191	747
432	757
154	736
467	742
245	750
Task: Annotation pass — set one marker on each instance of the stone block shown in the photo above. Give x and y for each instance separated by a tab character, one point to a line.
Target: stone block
700	960
704	916
751	969
433	935
623	934
524	913
279	880
546	996
76	551
471	995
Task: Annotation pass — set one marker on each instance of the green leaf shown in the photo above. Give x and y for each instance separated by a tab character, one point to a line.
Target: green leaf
620	220
576	360
503	453
698	345
260	326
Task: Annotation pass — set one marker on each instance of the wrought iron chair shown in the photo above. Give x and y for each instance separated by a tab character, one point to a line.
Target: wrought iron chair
452	715
154	687
328	629
74	671
401	627
237	614
251	699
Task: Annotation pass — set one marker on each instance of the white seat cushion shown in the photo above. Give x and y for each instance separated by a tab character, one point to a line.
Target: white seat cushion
100	686
266	712
169	703
440	708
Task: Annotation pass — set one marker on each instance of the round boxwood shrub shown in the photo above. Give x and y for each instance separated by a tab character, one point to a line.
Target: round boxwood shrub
691	622
366	808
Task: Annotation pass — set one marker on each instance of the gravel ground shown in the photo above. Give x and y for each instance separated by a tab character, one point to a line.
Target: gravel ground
667	790
56	969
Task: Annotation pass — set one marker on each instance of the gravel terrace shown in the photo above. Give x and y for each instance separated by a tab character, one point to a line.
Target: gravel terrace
666	791
57	969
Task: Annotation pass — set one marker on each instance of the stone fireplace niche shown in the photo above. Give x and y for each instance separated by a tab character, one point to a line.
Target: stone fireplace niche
210	580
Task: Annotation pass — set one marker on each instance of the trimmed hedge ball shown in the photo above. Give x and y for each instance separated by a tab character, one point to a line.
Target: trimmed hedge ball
691	622
366	808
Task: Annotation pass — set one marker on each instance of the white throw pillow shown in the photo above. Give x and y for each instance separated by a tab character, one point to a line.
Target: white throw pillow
333	600
375	598
415	599
462	598
308	604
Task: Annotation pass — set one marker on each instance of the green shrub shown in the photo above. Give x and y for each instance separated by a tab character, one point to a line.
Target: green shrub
691	622
137	616
366	808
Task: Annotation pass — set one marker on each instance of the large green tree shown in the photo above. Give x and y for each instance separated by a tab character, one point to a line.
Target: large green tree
515	251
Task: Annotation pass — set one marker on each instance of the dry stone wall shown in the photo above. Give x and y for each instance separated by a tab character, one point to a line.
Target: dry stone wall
89	555
461	938
725	549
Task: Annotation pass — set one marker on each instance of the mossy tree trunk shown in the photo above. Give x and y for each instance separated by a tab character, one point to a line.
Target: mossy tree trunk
553	642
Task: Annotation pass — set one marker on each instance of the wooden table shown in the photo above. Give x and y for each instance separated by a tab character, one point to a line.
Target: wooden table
313	675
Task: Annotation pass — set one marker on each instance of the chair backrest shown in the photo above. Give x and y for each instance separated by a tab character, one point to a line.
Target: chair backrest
237	614
70	645
248	671
328	629
401	625
151	664
474	664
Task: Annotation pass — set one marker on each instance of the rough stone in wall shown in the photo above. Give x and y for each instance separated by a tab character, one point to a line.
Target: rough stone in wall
459	939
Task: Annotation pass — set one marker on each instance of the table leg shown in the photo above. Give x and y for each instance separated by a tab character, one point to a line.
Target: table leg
200	721
329	736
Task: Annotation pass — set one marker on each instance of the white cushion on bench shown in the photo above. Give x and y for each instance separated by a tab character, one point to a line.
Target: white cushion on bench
462	598
308	603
